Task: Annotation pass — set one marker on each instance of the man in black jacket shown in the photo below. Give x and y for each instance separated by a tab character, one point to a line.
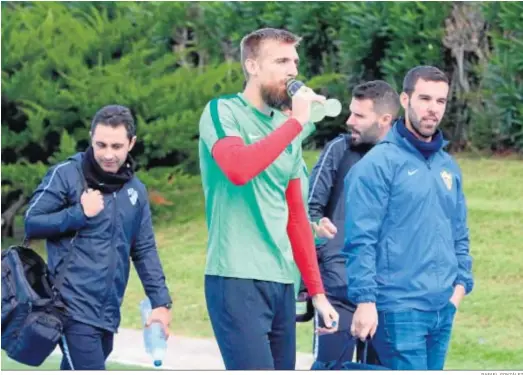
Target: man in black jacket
374	107
91	234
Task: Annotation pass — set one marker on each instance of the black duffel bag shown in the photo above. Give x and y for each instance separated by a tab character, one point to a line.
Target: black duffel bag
33	315
364	361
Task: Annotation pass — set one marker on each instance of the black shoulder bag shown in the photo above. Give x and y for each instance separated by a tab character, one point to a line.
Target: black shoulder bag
33	314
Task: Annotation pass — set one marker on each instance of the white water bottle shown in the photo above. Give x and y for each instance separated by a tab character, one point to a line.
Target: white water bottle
153	336
331	107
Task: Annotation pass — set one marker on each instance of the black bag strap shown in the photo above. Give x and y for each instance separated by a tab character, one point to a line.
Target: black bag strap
363	358
59	280
365	350
57	284
338	364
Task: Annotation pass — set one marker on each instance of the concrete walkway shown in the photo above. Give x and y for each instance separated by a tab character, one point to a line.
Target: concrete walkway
183	353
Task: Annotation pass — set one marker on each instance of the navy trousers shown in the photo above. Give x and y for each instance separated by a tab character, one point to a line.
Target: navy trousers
85	347
253	322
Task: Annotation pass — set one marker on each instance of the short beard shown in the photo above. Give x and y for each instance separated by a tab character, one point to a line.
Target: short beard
276	99
415	123
370	136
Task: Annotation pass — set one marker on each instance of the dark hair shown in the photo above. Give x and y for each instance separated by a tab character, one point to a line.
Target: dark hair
115	115
384	98
250	44
426	73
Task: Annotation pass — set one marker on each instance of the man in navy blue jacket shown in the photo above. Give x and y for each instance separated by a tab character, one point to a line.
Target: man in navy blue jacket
374	107
91	235
406	234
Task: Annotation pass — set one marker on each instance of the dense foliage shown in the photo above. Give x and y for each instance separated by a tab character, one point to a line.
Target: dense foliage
63	61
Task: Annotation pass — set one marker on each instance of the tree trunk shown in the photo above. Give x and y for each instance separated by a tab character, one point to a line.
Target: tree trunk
8	216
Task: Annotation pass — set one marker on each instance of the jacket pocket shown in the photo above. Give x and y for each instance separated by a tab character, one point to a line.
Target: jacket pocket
447	253
393	258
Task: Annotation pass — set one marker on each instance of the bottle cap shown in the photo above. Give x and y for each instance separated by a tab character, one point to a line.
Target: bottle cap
293	85
158	355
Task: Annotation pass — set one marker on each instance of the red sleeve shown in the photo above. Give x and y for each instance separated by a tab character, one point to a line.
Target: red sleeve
241	162
302	239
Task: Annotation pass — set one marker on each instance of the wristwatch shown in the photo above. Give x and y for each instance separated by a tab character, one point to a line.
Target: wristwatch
168	305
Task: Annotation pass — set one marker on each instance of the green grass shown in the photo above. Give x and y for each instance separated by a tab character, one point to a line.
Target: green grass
488	325
53	363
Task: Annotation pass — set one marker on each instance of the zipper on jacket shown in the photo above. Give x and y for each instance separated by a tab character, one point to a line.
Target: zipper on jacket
430	161
112	267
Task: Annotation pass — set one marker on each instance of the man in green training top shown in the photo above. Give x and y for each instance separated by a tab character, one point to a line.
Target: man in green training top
250	160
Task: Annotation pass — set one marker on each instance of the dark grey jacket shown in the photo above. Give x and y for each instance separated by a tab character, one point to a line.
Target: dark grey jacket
326	199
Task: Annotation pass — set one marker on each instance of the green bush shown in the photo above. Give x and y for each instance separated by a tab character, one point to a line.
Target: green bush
498	106
175	196
69	80
61	63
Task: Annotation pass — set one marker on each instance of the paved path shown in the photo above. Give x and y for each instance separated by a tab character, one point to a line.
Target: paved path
183	353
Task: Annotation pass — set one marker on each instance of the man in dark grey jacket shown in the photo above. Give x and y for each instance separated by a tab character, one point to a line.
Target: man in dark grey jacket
92	233
374	107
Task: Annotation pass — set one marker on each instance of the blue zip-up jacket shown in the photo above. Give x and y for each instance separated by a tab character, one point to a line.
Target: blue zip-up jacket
98	270
326	199
406	234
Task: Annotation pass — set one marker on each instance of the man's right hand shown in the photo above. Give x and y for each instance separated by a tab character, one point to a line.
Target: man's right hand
92	202
301	104
365	321
325	228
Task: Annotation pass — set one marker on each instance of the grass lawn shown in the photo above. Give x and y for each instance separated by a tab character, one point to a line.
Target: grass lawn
488	326
53	363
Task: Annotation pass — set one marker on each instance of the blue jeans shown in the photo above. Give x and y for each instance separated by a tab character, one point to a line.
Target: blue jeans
414	339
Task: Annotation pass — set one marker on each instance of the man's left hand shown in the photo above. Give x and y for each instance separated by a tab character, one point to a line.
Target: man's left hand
457	296
327	312
325	228
161	315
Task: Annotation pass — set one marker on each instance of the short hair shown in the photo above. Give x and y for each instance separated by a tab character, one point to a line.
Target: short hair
426	73
384	98
250	44
115	115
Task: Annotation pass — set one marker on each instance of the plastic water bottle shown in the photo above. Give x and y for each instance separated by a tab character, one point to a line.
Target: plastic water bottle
331	107
153	336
